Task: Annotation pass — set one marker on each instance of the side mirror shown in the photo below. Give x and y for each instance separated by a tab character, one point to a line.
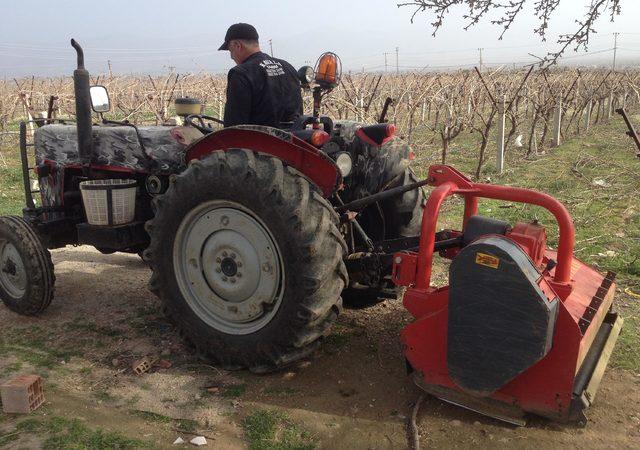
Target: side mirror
306	75
99	99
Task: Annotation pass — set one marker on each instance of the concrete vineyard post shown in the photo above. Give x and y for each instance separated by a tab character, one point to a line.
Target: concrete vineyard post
557	124
610	105
500	137
587	116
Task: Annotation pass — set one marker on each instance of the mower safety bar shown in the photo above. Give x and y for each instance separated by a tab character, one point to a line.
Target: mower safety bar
448	181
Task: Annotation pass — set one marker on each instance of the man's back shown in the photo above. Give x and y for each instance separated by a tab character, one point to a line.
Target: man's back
262	91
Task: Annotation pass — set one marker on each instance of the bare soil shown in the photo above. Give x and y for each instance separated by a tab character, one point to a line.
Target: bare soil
353	393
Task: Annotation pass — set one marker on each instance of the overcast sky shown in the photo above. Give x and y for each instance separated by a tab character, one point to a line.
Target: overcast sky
148	36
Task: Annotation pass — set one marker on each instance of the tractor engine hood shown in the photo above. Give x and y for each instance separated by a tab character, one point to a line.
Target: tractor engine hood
114	147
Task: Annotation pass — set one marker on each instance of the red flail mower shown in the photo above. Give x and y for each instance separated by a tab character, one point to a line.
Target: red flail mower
521	327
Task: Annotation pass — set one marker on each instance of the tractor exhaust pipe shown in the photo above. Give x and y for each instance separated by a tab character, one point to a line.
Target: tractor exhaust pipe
81	84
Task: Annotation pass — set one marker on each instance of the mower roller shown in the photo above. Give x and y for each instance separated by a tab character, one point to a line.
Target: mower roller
521	328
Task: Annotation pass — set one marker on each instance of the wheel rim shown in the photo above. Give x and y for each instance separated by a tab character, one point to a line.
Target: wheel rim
13	276
228	267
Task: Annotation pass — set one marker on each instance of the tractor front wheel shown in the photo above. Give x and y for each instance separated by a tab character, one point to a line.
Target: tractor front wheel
26	271
248	260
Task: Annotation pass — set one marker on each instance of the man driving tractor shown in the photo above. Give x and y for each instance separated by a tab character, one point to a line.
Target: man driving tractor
261	90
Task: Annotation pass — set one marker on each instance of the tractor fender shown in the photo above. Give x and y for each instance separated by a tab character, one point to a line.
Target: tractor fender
295	152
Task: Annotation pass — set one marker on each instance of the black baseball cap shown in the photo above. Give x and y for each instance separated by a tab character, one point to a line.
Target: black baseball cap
239	31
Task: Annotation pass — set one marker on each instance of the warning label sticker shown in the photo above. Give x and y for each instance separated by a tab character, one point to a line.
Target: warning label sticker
487	260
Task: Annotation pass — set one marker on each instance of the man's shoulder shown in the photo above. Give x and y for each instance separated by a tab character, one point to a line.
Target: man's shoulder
260	65
253	60
238	73
276	66
268	62
281	62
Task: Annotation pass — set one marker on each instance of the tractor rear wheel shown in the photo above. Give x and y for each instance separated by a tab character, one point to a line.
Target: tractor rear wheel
400	216
26	271
248	260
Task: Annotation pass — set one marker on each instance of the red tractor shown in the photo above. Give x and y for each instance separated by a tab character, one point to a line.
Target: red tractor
254	233
239	226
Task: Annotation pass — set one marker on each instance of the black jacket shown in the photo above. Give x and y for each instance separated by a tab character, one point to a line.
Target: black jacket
262	91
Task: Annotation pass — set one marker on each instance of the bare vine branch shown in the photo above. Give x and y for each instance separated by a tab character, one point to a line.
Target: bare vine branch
509	10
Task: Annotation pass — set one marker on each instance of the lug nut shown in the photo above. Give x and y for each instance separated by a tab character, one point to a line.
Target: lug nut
233	280
218	260
233	256
239	274
218	269
239	263
225	254
224	278
224	220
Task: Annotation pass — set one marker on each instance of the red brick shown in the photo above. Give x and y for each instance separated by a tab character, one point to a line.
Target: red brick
22	394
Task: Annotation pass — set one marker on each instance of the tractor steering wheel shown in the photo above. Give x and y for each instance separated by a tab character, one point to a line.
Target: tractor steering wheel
201	125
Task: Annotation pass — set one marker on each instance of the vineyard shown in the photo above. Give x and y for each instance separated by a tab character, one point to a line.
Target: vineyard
353	392
528	110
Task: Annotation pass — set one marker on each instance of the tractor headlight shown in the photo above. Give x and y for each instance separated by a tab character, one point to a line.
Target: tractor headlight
344	163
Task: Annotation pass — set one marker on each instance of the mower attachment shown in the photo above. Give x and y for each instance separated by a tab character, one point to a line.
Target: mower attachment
521	328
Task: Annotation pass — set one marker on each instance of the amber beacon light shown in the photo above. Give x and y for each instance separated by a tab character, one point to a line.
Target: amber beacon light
328	70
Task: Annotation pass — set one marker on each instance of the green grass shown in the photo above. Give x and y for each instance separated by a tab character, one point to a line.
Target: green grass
234	390
627	352
339	338
273	430
281	391
152	417
103	395
606	219
61	433
36	346
80	324
10	368
186	425
11	191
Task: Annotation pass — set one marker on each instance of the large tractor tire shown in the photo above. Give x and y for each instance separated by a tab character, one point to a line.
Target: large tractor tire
402	217
403	214
248	260
26	271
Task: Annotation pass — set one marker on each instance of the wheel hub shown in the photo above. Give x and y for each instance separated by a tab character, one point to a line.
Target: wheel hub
10	268
13	277
228	267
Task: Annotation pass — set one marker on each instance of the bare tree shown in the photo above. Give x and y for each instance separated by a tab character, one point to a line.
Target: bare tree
508	10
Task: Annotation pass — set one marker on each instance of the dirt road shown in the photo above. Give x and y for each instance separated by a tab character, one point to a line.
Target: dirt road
353	393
